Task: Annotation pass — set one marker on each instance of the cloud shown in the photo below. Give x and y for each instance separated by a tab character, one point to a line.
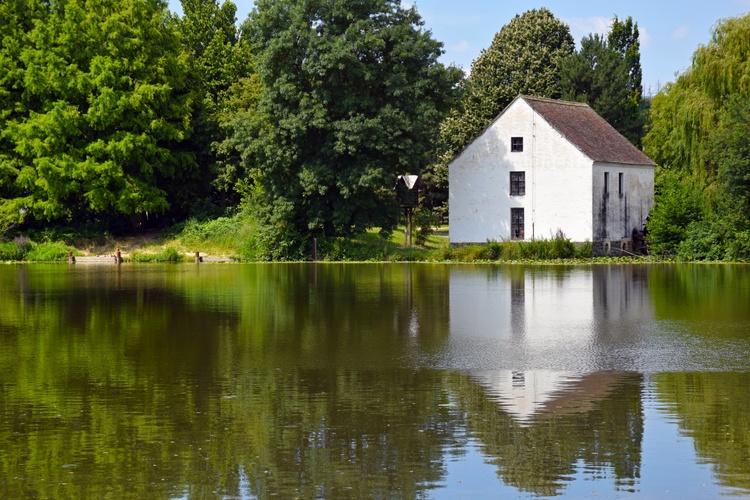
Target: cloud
583	26
680	32
461	46
644	37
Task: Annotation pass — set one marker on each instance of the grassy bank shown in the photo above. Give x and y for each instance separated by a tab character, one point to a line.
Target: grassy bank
233	238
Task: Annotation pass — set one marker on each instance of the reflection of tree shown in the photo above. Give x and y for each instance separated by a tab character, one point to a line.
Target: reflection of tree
703	294
165	382
714	409
602	425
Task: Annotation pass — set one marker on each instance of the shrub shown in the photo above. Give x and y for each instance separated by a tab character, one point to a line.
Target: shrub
585	250
169	254
425	221
48	252
12	251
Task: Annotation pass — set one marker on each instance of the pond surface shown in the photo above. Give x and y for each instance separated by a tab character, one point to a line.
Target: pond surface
374	381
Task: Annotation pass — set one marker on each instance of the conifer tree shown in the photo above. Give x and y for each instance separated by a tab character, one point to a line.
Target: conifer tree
104	107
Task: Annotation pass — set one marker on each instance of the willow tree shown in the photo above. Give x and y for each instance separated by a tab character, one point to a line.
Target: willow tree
686	113
698	136
104	108
352	95
525	57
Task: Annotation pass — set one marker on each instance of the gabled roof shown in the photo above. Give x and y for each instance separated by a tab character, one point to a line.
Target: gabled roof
584	129
587	131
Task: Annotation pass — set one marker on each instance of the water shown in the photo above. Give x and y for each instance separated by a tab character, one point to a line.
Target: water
374	380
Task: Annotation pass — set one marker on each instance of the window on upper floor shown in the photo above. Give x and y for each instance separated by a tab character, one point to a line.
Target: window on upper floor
621	183
516	144
517	183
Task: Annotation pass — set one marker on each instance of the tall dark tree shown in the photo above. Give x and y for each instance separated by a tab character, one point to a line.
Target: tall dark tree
103	110
219	59
352	95
606	74
525	57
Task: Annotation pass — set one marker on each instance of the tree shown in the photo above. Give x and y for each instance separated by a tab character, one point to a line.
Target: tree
698	133
525	57
103	110
606	74
219	60
18	20
352	94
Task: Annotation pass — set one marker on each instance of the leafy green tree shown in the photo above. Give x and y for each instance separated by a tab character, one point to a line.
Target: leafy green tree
103	111
219	60
352	94
17	21
699	133
606	74
525	57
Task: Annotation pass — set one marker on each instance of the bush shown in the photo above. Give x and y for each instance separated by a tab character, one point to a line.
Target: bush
739	248
425	221
169	254
678	203
585	250
48	252
22	248
15	250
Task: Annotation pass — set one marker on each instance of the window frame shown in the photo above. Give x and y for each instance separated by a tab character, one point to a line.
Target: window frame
517	222
621	183
516	144
606	183
518	185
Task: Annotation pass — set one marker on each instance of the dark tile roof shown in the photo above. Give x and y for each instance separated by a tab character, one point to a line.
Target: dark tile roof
587	131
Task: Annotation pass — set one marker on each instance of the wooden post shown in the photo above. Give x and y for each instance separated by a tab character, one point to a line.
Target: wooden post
198	257
315	250
408	221
71	258
118	257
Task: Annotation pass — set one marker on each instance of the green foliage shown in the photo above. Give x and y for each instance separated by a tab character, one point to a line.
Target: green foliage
606	74
220	63
23	248
48	252
525	57
557	248
169	254
103	110
679	202
352	95
16	249
425	221
699	134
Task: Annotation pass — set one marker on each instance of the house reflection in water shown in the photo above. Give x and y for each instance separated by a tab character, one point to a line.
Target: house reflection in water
560	319
554	389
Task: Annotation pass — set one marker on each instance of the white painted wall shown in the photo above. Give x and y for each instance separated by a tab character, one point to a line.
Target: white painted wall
617	213
558	182
564	188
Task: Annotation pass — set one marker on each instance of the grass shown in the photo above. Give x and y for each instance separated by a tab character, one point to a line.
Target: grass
233	238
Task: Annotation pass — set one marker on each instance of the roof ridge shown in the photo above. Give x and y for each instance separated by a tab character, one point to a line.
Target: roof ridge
555	101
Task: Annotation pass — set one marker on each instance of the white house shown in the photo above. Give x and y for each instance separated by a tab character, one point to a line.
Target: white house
545	165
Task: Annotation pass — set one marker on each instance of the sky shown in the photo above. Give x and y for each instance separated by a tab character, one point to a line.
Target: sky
669	31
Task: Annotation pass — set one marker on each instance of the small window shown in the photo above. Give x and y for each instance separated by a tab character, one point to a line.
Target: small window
516	223
517	183
620	183
606	182
516	144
